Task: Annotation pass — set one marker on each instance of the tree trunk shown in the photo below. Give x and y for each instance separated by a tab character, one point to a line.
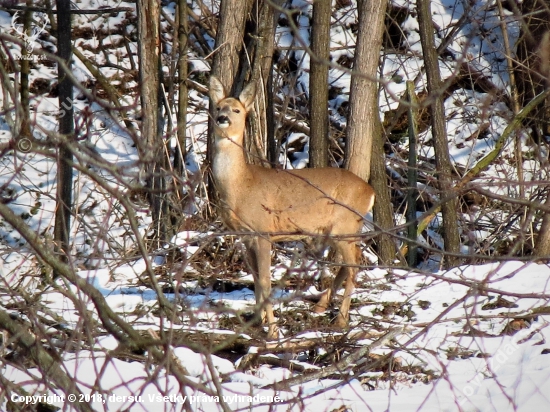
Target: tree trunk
449	207
183	33
266	33
364	129
259	142
412	181
25	131
364	115
542	244
66	127
318	84
229	42
532	65
152	154
383	207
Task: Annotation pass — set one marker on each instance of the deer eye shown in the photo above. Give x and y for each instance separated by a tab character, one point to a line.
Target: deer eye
218	108
236	111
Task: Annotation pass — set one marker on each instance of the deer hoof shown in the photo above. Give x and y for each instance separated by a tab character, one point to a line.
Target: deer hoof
322	305
340	321
273	333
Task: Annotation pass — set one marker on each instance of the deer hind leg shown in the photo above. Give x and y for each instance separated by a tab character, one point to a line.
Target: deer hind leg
350	258
259	259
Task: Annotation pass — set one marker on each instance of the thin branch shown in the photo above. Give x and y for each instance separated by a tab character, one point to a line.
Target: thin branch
340	366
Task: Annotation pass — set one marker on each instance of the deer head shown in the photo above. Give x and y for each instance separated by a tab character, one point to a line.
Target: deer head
230	113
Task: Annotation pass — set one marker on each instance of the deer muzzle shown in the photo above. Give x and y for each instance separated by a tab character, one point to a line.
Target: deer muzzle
223	121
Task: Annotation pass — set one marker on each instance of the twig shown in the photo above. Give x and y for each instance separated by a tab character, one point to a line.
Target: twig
339	366
48	365
73	11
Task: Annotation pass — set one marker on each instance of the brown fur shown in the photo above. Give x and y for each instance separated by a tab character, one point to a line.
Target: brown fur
277	205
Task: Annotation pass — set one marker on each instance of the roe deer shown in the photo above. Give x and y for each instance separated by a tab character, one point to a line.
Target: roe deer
277	205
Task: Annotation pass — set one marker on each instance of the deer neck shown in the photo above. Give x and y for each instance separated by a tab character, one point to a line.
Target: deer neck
230	168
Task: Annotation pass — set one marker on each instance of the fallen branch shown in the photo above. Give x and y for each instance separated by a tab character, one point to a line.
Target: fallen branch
48	365
340	366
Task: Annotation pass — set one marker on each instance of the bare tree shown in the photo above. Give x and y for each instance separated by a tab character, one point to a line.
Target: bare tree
152	153
412	181
532	66
449	207
364	130
229	41
318	84
182	36
66	128
266	34
256	64
24	83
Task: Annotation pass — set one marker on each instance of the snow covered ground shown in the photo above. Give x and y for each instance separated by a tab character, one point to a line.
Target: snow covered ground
479	361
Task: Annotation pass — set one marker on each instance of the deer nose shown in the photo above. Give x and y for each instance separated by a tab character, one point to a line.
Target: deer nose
223	120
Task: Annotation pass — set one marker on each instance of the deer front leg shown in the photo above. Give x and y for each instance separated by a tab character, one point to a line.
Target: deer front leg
259	256
324	301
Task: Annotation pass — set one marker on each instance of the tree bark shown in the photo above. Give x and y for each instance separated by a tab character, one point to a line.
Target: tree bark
364	115
152	154
542	245
412	181
229	42
183	33
266	32
532	66
260	140
318	84
149	64
365	142
383	207
25	131
449	208
64	193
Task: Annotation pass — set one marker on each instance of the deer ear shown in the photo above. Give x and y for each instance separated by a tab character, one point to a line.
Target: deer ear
247	96
217	91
